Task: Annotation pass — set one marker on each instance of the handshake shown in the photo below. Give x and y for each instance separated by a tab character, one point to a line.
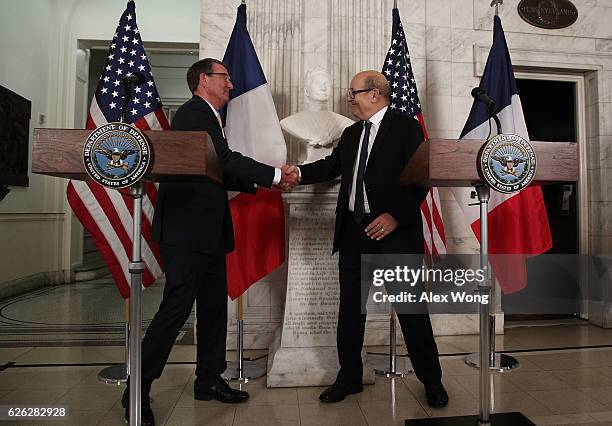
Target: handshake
290	178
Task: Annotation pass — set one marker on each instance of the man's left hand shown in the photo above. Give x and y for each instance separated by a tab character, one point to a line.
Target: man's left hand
382	226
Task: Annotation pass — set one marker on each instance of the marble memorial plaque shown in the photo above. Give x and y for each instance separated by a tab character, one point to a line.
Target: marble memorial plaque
311	306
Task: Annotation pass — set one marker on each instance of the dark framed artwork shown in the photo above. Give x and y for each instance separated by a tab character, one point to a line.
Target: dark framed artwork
15	112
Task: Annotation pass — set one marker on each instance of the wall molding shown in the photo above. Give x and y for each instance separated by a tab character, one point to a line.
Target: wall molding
32	217
559	59
31	282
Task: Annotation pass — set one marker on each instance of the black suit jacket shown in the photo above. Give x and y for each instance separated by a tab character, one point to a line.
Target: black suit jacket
396	141
196	216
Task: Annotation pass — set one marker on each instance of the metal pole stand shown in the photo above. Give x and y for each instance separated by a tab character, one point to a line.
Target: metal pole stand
499	362
136	268
243	370
118	374
387	365
484	418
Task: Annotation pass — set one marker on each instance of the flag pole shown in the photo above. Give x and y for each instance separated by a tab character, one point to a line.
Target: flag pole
117	374
243	370
394	4
386	365
240	336
497	362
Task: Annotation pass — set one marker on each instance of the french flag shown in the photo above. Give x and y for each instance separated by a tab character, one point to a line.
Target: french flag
253	129
518	223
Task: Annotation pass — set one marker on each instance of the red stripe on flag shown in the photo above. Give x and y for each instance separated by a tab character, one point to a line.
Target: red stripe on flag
98	238
161	118
142	124
90	123
438	223
146	229
151	191
427	216
260	244
419	117
434	222
112	214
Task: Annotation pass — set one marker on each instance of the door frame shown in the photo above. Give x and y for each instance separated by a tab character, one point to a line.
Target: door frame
582	203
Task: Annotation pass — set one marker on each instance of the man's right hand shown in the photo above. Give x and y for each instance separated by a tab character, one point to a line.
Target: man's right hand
289	178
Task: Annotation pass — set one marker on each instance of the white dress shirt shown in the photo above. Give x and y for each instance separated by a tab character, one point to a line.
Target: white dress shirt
375	120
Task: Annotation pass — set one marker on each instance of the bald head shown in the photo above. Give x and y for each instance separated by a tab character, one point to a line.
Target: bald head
376	80
372	95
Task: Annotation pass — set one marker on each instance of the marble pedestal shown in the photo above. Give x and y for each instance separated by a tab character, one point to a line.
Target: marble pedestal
303	352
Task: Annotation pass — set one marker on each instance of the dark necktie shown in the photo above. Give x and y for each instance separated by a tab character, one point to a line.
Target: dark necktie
359	210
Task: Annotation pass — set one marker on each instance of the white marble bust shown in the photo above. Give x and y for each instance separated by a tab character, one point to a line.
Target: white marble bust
316	126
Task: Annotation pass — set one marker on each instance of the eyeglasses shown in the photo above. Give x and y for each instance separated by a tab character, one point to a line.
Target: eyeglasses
352	92
225	75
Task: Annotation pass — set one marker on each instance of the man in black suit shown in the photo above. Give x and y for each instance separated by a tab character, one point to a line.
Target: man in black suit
375	215
193	225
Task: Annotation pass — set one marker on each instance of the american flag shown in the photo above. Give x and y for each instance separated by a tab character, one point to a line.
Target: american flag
405	100
106	213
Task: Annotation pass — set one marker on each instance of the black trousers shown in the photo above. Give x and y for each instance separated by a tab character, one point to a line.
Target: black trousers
416	328
190	276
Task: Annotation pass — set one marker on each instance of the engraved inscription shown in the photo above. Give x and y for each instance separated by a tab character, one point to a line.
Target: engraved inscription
311	306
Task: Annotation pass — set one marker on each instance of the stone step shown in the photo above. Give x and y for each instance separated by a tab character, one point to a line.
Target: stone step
93	267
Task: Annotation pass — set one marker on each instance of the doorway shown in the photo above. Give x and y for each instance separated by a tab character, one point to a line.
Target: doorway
169	63
553	107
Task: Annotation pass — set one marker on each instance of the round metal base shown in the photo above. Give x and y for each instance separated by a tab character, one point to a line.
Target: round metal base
114	375
502	362
382	365
389	374
497	419
251	370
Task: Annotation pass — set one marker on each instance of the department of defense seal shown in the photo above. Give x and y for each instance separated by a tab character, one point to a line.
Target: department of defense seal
507	163
116	155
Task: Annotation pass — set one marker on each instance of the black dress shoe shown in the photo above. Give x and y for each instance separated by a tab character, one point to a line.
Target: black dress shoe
220	391
338	391
436	395
146	413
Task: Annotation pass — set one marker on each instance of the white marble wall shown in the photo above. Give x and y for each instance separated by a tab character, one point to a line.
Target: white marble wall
449	42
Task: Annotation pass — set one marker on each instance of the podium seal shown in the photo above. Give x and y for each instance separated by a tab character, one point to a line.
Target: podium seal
507	163
116	155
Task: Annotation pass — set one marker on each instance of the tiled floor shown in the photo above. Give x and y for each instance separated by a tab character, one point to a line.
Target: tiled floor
565	377
552	387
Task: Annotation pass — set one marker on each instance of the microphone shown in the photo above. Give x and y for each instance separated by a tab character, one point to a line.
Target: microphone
136	79
481	95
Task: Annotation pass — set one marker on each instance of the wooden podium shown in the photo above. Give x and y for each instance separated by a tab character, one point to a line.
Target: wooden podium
177	156
453	163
